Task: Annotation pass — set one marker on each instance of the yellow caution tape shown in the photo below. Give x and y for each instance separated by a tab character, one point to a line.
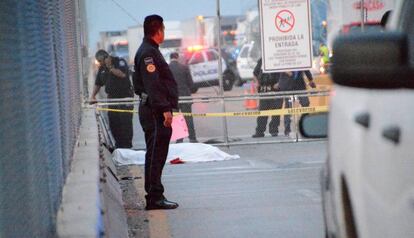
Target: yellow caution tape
274	112
115	110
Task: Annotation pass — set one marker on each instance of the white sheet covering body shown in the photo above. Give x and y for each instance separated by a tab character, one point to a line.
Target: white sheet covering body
187	152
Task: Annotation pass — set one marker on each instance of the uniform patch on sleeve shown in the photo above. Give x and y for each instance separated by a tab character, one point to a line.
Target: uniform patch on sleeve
151	68
148	60
122	63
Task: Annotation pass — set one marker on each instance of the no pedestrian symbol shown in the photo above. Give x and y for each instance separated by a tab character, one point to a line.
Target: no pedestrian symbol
285	21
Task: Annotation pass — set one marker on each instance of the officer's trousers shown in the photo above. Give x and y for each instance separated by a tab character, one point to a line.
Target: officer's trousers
157	140
186	107
120	124
303	101
268	104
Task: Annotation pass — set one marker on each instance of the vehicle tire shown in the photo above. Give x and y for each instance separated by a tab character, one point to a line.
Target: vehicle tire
238	82
228	80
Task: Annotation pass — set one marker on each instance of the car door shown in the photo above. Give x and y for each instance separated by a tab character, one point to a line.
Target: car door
197	67
387	181
213	63
347	142
388	160
243	64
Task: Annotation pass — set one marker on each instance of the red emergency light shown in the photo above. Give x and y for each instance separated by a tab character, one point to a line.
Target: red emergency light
121	42
195	48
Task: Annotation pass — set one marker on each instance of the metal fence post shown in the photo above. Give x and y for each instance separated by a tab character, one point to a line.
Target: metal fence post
293	98
220	74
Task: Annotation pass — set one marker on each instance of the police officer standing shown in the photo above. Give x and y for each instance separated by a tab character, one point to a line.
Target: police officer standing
267	82
299	84
155	84
296	82
114	75
185	84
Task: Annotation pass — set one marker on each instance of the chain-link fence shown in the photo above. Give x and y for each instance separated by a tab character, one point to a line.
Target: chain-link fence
41	110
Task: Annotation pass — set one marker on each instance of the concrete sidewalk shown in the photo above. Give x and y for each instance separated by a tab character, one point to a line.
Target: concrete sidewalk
92	203
273	189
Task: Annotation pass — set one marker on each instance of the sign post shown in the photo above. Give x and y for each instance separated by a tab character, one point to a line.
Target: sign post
286	33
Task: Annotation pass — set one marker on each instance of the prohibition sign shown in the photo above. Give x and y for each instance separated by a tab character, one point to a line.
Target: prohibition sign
285	21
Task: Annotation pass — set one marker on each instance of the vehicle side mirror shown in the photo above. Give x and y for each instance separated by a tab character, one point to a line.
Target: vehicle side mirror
314	125
371	60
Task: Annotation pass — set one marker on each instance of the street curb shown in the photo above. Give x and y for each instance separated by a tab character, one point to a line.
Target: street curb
79	214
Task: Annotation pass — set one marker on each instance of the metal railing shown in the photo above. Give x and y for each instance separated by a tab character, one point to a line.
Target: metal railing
241	123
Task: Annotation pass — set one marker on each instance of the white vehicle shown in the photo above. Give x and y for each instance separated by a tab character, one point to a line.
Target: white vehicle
135	34
172	39
203	65
368	182
345	15
247	60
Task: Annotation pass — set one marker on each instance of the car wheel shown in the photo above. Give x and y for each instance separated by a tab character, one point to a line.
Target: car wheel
228	80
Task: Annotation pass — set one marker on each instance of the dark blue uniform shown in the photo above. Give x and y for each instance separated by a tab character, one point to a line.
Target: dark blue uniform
155	84
296	82
267	83
120	123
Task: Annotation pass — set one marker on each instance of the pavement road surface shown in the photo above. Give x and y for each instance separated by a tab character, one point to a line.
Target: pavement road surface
273	190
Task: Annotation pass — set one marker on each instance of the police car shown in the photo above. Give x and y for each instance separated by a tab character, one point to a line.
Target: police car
247	60
203	64
368	181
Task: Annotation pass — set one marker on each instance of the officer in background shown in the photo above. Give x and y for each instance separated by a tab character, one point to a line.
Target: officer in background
155	84
114	75
324	54
267	82
185	83
296	82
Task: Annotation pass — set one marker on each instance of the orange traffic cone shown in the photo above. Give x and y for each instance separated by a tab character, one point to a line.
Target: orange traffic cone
250	104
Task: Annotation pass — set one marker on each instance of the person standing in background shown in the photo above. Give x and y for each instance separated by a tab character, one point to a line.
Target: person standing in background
297	82
267	82
182	76
113	73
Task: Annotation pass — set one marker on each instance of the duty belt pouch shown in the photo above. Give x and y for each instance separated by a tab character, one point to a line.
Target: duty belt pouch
265	89
144	98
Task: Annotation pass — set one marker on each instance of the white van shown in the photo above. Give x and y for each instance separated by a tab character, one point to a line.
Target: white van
368	181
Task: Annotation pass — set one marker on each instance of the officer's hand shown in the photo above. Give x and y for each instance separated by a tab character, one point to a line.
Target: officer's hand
108	62
92	101
167	119
312	84
276	87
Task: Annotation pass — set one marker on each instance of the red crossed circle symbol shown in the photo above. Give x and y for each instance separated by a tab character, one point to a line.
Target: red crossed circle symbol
285	21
